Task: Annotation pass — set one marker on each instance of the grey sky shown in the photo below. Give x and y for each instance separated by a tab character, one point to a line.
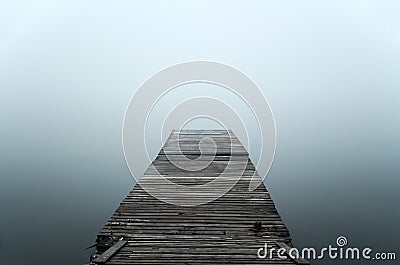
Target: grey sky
330	71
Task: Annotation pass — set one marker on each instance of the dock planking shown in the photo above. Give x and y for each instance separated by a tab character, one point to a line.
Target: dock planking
228	230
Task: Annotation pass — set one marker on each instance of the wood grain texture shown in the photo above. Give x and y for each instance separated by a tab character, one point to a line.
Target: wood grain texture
228	230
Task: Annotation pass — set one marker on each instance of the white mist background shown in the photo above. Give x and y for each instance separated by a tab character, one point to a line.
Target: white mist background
330	71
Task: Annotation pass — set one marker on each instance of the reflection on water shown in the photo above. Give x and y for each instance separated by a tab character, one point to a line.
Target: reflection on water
53	204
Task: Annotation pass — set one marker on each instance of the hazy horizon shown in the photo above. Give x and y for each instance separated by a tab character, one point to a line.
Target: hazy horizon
68	69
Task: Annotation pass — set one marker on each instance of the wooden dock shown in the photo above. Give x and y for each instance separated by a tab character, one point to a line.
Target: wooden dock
228	230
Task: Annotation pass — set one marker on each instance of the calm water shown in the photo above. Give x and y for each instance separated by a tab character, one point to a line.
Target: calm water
55	199
330	73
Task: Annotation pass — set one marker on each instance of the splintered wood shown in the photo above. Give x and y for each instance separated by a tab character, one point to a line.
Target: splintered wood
227	230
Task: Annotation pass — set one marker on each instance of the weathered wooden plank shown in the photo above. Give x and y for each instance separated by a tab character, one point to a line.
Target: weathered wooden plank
106	255
222	231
